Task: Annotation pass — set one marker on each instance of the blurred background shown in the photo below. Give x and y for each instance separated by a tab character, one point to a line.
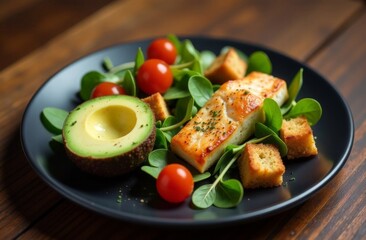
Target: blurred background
28	24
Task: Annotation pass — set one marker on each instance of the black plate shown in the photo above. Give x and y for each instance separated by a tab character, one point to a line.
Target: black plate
133	197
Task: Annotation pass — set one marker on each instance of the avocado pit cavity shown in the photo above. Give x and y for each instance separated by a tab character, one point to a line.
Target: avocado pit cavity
111	122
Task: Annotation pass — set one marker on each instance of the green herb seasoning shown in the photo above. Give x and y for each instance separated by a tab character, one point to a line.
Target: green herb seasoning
119	196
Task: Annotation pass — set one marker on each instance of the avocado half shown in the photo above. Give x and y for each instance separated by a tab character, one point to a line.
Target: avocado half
109	136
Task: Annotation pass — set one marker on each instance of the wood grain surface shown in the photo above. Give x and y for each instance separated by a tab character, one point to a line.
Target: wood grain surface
328	35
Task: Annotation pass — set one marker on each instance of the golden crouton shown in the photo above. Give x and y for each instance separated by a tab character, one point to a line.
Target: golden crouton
227	66
158	106
298	136
261	166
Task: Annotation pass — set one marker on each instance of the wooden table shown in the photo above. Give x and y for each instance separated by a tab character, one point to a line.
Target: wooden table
329	36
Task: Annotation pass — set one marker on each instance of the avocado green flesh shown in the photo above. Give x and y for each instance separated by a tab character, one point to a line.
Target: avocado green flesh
109	132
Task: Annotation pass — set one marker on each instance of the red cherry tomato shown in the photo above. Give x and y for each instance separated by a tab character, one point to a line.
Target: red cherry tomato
163	49
174	183
154	76
107	88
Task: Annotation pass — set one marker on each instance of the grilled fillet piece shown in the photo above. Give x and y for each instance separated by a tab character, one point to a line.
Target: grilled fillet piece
229	117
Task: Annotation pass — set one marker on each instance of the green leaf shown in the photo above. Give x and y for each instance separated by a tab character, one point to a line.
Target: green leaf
152	171
201	176
229	193
204	196
186	106
188	52
121	69
260	62
180	88
296	84
169	135
89	81
53	119
178	73
107	63
308	107
181	109
216	87
169	121
158	158
184	75
58	138
158	124
262	130
139	60
273	114
176	93
197	67
224	160
160	140
293	91
207	58
200	89
120	74
176	42
129	84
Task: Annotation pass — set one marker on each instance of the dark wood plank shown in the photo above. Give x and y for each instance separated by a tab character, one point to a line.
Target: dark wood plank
339	210
343	62
24	197
27	25
83	224
10	8
296	30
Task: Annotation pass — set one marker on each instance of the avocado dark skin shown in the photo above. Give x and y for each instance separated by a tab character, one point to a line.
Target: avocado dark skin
118	165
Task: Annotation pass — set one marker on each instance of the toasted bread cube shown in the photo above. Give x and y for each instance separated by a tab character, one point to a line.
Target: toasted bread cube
298	136
227	66
261	166
158	106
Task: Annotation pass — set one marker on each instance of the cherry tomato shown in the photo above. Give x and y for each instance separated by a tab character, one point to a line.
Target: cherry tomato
174	183
163	49
154	76
107	88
